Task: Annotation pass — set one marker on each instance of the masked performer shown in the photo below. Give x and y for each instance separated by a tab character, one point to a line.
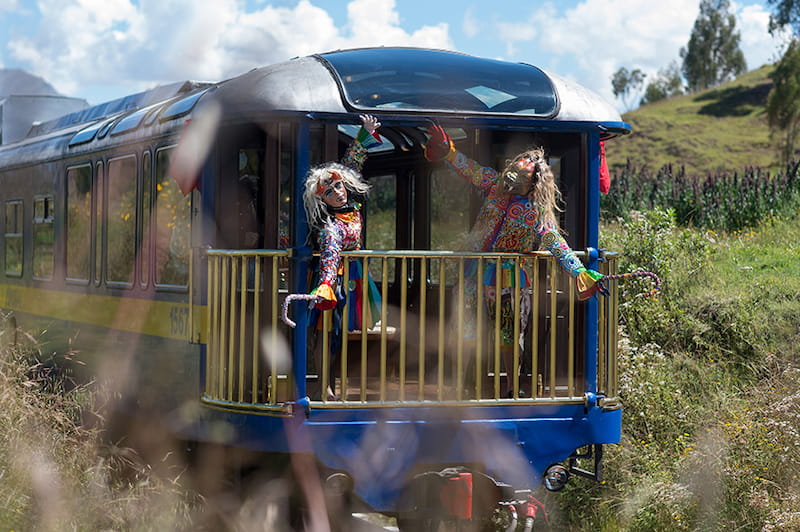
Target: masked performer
518	215
336	218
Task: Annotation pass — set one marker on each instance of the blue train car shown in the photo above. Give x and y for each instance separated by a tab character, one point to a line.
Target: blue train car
161	234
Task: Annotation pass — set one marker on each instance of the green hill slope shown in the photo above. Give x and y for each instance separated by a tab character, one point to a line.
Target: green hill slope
722	129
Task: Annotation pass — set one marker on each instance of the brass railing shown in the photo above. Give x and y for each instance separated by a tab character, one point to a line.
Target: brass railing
433	341
243	302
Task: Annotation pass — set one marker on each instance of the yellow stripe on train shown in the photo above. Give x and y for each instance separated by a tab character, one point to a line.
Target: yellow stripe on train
165	319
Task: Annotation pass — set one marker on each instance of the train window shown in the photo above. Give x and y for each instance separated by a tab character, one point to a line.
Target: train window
98	223
79	222
436	80
153	113
450	219
105	129
286	175
172	227
251	212
132	121
86	134
555	167
381	221
43	237
13	238
144	220
121	220
382	212
181	107
449	210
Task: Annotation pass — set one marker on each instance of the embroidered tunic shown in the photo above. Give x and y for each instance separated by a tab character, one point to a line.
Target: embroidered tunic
342	230
509	223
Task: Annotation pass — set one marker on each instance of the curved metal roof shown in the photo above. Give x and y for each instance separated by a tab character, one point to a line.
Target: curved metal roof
413	81
416	81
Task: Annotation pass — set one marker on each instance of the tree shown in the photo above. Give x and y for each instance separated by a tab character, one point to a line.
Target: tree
625	84
786	13
712	55
783	103
667	83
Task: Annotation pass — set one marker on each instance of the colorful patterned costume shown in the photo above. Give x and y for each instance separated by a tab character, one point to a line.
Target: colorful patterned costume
507	223
342	232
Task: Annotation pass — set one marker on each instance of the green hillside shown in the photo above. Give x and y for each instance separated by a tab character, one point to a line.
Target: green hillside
718	130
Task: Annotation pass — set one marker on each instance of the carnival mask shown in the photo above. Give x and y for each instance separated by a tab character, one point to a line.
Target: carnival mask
333	191
520	176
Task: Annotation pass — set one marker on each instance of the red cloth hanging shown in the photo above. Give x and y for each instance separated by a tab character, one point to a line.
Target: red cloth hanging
605	176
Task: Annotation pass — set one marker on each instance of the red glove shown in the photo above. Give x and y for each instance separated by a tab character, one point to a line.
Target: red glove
439	144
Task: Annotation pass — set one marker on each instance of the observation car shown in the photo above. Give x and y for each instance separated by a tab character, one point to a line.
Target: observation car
161	233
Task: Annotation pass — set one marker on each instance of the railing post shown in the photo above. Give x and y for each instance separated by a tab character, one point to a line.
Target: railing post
212	329
301	258
592	238
613	317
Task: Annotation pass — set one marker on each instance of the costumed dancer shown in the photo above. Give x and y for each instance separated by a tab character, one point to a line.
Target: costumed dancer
518	215
336	218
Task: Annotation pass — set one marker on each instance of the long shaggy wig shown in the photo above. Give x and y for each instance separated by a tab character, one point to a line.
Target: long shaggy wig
321	175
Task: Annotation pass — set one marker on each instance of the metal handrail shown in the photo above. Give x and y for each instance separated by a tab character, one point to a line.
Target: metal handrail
423	352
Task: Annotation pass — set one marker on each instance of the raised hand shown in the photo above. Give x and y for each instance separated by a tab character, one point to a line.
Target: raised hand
438	145
370	123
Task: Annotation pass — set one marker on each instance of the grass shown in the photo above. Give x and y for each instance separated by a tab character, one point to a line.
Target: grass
710	375
56	473
711	131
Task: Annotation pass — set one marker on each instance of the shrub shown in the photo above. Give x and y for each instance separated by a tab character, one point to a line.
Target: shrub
723	202
651	241
708	383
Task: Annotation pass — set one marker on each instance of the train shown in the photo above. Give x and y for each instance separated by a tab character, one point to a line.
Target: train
158	236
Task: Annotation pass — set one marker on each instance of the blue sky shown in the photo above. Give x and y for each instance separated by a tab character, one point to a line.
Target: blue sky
103	49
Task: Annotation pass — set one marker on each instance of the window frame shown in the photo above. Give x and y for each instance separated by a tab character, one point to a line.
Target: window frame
117	283
36	221
157	283
19	221
89	236
144	214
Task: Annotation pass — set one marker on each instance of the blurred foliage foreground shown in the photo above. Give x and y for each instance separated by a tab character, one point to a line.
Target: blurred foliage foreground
56	471
710	383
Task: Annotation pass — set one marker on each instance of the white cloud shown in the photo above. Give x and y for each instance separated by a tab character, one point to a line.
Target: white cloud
514	33
376	22
605	35
133	47
758	45
470	25
8	5
74	39
595	38
126	45
277	33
